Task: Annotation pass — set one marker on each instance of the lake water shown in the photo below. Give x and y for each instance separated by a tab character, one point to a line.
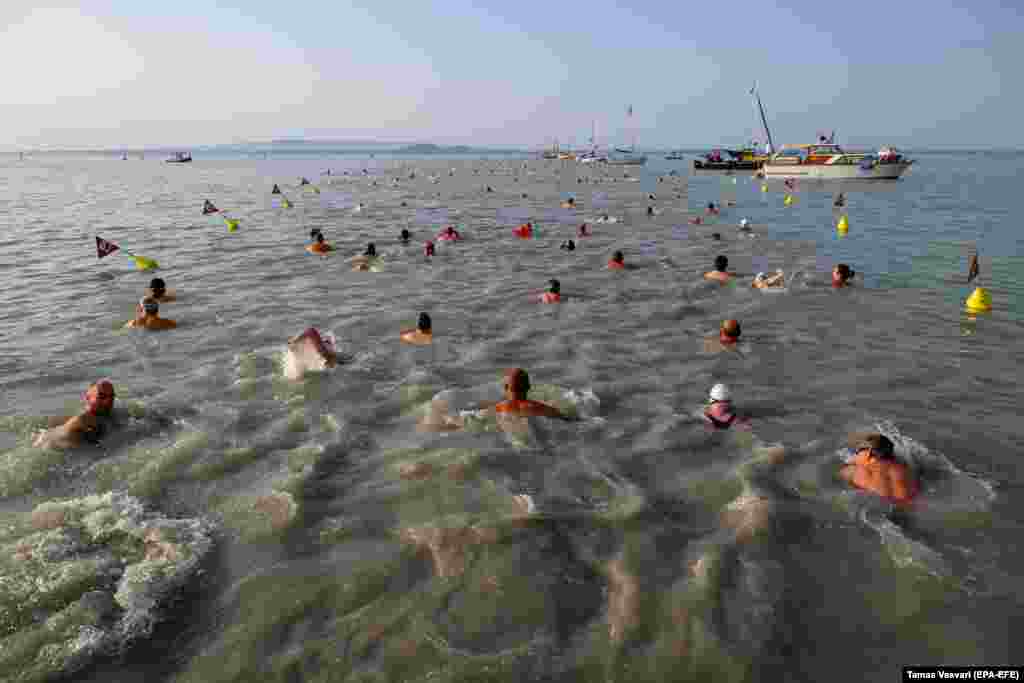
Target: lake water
656	550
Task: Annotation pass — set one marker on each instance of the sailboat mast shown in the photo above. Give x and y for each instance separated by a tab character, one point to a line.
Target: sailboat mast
764	119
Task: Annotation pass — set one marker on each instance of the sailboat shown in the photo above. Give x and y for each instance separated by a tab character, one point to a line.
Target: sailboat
628	157
592	156
747	158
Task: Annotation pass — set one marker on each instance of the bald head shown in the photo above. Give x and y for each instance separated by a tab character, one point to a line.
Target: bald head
517	383
99	397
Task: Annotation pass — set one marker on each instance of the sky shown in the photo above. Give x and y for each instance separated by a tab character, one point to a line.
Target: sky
113	73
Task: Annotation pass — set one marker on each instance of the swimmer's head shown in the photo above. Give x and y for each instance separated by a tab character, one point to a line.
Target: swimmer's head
158	287
319	237
744	224
650	210
424	323
730	329
428	248
842	273
721	263
517	383
716	236
405	235
879	445
313	233
371	250
720	392
711	206
99	397
149	305
618	257
555	286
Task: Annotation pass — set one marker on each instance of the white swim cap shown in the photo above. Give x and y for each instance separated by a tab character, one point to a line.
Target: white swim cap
759	276
720	392
744	223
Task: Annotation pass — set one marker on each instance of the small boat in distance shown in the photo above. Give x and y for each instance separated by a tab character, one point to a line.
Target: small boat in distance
180	158
746	159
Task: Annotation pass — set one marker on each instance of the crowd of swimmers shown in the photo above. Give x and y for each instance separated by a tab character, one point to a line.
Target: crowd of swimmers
871	467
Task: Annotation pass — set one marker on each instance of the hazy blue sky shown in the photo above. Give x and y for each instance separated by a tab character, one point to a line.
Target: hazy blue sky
106	73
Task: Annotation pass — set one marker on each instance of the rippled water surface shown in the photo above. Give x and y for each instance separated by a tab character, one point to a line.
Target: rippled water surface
349	546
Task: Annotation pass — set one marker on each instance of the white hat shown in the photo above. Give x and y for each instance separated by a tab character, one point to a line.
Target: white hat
744	223
720	392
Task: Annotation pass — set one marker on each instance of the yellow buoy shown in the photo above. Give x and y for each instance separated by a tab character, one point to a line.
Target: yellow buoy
844	223
232	224
788	200
980	301
286	204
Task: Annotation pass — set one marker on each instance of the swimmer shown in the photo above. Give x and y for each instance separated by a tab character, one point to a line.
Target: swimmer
569	203
840	201
303	181
88	425
720	412
651	195
515	404
320	245
745	226
712	209
405	236
582	231
308	351
554	293
618	261
147	316
313	233
450	234
366	259
650	210
422	335
761	281
728	336
158	290
517	385
524	231
874	468
717	236
719	273
276	190
490	189
841	275
428	249
696	220
568	246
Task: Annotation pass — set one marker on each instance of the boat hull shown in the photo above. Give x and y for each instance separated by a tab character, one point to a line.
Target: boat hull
889	171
